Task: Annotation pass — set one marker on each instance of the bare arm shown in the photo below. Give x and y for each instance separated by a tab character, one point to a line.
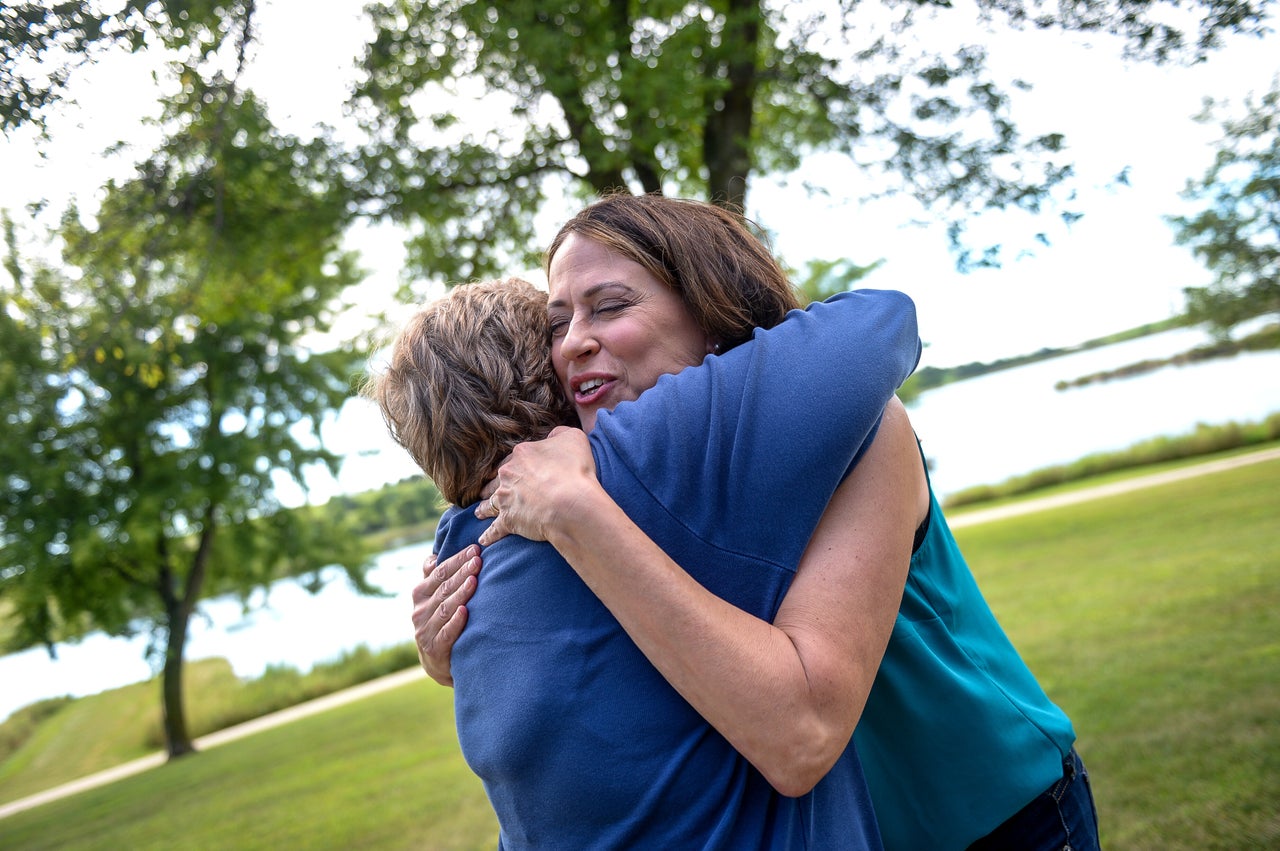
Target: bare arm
787	695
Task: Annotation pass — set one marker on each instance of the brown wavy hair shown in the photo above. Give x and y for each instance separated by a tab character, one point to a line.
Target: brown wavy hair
469	377
712	257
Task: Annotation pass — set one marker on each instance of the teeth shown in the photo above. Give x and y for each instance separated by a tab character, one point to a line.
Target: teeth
589	385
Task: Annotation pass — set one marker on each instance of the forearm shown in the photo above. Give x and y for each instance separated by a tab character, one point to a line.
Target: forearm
744	675
786	694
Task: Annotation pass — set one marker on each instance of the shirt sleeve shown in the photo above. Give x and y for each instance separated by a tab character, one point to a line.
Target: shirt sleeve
762	435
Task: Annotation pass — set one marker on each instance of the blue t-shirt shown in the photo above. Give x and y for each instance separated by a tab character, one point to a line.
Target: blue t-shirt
580	741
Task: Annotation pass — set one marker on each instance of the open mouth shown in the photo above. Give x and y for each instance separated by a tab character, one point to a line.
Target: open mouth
590	391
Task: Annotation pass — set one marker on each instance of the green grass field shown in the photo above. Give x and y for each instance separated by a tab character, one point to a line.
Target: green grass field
1153	618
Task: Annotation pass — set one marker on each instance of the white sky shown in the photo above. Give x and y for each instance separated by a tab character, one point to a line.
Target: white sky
1114	269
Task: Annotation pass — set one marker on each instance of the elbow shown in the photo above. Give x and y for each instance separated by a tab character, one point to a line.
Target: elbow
795	784
795	769
798	778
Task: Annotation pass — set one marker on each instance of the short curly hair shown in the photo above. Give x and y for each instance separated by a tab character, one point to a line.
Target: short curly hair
470	376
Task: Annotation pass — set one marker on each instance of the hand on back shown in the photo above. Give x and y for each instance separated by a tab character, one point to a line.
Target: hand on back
538	486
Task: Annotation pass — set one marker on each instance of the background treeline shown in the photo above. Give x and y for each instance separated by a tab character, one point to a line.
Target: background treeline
1262	340
930	377
396	514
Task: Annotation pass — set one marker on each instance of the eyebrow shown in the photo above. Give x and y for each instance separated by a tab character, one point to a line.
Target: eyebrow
590	292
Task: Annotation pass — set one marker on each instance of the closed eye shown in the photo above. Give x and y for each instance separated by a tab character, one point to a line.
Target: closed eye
610	308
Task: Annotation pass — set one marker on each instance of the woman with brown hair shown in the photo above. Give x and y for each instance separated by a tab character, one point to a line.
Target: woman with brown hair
580	741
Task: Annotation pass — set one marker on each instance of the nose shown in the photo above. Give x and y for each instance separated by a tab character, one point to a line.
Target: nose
578	340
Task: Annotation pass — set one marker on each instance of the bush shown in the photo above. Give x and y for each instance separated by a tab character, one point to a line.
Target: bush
1204	440
213	707
20	726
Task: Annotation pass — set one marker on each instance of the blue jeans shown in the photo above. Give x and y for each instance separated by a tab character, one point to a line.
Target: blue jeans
1062	818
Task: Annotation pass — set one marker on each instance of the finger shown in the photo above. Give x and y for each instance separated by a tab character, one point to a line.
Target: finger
436	636
486	508
496	532
489	487
442	571
438	595
460	588
428	565
447	579
431	624
449	632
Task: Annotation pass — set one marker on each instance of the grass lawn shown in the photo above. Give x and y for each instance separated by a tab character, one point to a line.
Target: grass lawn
1153	618
384	772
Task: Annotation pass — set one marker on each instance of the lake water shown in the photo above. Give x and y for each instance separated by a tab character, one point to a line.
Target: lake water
987	429
978	431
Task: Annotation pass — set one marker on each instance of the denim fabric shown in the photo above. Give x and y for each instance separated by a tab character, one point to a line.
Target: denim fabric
1062	818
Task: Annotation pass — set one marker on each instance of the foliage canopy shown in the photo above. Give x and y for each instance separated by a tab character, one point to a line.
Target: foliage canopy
481	115
578	97
153	383
1237	230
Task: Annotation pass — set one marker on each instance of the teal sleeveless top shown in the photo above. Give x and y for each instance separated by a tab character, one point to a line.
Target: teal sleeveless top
957	735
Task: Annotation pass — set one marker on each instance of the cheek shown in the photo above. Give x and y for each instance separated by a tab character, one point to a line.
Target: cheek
662	360
559	365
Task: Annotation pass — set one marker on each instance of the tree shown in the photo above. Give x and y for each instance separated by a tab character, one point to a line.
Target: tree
154	382
1237	231
576	97
586	96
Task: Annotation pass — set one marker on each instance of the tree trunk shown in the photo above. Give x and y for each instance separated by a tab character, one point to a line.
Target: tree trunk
727	136
178	609
177	739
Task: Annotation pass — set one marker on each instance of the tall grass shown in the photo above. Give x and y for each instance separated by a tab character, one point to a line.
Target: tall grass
1152	617
1201	441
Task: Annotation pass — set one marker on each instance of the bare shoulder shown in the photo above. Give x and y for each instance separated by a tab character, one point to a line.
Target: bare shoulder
895	458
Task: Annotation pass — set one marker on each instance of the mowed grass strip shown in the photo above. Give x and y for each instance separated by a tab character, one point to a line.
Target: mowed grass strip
1152	617
107	729
383	772
57	741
